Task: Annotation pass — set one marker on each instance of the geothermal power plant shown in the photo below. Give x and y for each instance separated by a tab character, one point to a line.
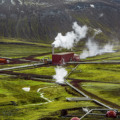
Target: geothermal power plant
57	59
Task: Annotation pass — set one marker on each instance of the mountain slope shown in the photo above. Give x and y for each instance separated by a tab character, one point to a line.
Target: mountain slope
41	20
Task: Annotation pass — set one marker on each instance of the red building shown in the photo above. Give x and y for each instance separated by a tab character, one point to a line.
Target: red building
3	61
76	57
61	58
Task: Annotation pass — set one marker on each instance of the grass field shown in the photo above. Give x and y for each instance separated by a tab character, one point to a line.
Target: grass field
11	90
41	57
97	72
107	91
32	106
21	41
18	51
49	70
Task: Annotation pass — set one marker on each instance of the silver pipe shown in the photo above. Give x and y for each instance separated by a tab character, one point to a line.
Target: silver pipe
102	104
76	89
86	114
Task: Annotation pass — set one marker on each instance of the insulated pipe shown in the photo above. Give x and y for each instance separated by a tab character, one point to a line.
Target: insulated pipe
102	104
76	89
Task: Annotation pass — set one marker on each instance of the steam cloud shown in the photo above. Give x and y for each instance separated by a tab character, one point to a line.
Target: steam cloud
97	31
94	49
92	6
101	15
60	74
72	37
12	1
3	1
20	2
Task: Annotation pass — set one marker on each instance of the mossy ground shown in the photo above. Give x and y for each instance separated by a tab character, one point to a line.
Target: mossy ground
97	72
17	51
107	91
28	102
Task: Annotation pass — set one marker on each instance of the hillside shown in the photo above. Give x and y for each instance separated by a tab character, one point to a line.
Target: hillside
41	20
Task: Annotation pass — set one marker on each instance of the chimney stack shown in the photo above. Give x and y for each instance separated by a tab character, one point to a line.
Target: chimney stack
53	45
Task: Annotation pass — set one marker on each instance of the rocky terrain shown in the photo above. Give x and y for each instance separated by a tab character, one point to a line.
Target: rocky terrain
41	20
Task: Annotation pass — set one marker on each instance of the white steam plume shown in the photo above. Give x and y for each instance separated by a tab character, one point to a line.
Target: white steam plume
92	6
101	15
20	2
97	31
93	49
12	1
72	37
60	74
3	1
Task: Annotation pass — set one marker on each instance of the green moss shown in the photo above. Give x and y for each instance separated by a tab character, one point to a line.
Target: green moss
23	41
42	71
97	72
12	91
45	56
106	91
83	20
15	51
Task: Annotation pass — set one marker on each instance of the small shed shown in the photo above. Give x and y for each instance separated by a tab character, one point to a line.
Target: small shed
61	58
3	61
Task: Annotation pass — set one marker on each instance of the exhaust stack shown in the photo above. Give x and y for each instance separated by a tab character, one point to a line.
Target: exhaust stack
53	46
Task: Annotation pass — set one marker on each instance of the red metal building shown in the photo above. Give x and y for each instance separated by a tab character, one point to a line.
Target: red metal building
76	57
61	58
3	61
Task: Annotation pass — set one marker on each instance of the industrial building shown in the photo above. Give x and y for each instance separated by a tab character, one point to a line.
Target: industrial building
4	61
62	58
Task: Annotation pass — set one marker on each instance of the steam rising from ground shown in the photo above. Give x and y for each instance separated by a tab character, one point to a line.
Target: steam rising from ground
72	37
93	49
20	2
3	1
12	1
60	74
92	6
101	15
96	31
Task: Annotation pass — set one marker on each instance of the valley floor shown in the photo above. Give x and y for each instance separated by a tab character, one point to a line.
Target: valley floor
31	92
